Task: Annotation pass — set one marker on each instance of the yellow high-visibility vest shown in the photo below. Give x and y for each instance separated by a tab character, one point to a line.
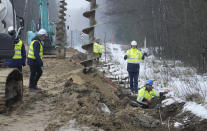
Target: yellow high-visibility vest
143	93
18	50
31	50
134	55
101	47
96	48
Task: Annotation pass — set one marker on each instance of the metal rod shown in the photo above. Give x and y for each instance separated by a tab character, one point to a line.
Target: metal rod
14	19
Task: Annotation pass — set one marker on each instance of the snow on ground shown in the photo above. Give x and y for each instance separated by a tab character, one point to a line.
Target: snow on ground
197	109
177	124
171	100
167	75
181	81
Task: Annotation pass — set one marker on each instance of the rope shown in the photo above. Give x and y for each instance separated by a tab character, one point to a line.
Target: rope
111	83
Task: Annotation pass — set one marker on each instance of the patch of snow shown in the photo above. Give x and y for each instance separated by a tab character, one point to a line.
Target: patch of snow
167	74
177	124
185	119
105	109
170	101
196	109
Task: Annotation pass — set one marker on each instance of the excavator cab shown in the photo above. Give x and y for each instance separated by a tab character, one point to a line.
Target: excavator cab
6	46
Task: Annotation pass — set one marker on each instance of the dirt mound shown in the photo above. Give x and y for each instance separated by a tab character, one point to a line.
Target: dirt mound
168	111
172	114
79	57
190	122
96	105
71	100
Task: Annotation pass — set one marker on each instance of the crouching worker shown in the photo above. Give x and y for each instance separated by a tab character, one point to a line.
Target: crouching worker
145	94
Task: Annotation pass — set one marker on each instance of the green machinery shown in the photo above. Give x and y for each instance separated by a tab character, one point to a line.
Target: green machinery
56	38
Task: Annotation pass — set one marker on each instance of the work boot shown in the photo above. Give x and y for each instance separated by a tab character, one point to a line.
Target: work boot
33	90
39	89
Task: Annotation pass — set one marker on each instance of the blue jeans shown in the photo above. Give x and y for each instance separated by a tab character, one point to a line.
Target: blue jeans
133	78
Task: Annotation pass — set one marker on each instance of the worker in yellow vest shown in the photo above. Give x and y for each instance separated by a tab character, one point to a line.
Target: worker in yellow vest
34	61
19	58
134	57
146	93
98	48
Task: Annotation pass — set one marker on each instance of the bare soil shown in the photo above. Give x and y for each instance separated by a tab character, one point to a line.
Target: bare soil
72	100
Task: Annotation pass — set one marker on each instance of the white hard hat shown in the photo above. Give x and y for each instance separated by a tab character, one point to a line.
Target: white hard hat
10	29
134	43
42	32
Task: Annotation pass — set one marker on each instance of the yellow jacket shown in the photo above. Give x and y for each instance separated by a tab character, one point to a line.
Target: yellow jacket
144	94
134	55
97	48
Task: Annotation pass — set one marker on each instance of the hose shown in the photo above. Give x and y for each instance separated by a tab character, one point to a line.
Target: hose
111	83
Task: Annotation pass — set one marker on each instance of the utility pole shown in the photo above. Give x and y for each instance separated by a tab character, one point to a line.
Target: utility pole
105	45
203	54
71	39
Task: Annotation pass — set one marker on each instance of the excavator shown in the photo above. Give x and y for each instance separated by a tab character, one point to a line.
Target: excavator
56	40
11	79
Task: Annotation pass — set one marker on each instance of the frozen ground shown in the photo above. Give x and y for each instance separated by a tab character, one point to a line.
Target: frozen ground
184	84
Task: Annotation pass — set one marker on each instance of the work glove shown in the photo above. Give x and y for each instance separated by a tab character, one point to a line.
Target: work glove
148	102
145	54
125	57
165	92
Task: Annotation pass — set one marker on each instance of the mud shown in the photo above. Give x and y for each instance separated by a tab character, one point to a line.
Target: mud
72	100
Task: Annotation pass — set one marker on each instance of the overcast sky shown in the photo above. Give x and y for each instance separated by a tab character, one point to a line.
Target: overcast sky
75	10
77	4
75	18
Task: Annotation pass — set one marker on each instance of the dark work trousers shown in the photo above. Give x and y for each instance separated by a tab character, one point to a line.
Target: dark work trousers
35	74
133	78
99	59
143	105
